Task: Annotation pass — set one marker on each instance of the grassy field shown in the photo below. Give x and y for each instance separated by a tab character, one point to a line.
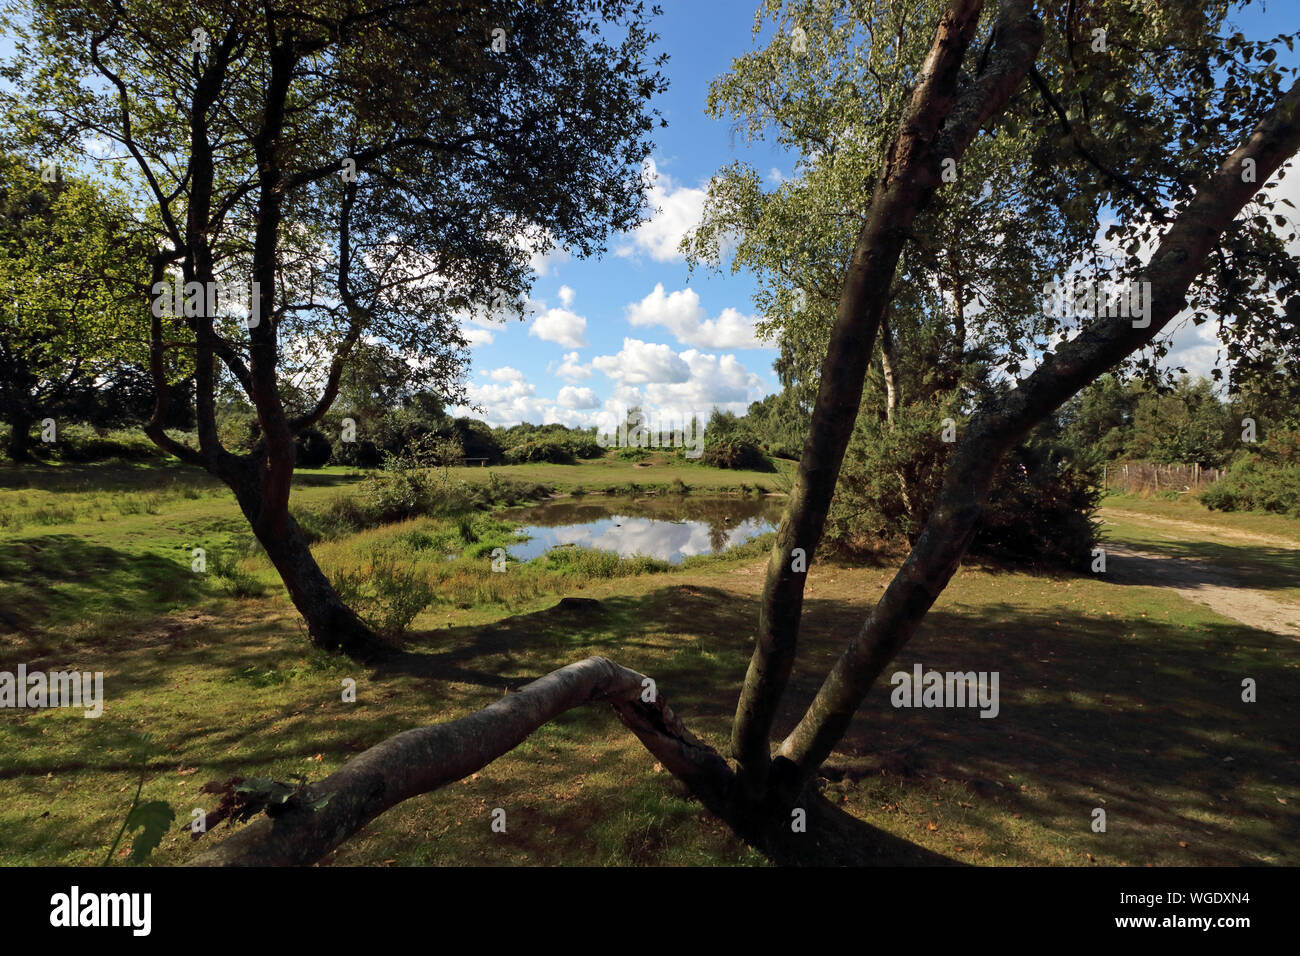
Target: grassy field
1113	695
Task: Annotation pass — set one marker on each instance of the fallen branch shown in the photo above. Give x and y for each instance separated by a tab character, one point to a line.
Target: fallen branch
422	760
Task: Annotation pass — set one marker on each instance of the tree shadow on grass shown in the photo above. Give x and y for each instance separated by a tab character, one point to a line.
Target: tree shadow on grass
1140	717
55	576
1196	563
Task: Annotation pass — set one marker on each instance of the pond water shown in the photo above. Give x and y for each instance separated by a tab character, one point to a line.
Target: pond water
669	528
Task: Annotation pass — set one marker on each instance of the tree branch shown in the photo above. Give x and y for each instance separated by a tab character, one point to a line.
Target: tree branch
422	760
1001	421
937	124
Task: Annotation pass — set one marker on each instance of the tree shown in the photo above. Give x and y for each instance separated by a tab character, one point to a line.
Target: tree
69	265
320	174
965	81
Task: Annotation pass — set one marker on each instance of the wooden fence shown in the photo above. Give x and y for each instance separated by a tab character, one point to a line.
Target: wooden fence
1144	477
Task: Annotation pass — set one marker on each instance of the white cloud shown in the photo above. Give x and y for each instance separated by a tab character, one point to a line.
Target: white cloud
560	326
681	313
571	397
677	210
504	404
672	386
506	374
566	296
775	177
642	362
476	337
571	369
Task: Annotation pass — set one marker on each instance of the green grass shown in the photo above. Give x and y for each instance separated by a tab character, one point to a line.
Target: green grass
1272	567
1123	697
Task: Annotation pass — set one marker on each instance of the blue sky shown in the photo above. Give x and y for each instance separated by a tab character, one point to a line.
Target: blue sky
632	327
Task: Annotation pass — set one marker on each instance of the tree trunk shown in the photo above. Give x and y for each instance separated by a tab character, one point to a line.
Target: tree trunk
20	438
331	624
892	393
936	124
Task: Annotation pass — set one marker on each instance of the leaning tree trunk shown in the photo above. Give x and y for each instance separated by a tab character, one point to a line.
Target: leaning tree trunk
331	624
936	124
427	758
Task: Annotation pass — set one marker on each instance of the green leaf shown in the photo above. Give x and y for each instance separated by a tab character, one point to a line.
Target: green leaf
152	819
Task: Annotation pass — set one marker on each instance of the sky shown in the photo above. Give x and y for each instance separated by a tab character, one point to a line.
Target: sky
635	326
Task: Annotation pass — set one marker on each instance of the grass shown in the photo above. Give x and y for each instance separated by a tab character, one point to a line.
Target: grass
1272	567
1115	696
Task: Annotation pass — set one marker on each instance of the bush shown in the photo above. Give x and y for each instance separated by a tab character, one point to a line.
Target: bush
75	442
545	450
1040	509
1040	504
1257	484
358	454
386	597
311	449
736	452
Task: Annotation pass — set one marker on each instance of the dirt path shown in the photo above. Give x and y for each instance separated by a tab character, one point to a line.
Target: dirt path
1198	531
1210	583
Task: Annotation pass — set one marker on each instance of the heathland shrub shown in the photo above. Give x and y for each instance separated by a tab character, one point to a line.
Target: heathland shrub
1040	505
1256	484
385	596
735	452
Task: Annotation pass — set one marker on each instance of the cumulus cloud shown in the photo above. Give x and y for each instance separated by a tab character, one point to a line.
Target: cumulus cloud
573	397
674	387
560	326
639	362
677	210
570	369
681	313
506	374
503	404
476	336
566	296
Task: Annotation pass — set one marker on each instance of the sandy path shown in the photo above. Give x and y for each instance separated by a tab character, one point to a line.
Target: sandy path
1208	583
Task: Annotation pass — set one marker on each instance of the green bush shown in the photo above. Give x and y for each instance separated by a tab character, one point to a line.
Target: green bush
736	452
552	451
311	449
386	597
1257	484
75	442
1040	505
359	454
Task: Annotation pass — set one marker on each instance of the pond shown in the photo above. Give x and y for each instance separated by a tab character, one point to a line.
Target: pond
669	527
